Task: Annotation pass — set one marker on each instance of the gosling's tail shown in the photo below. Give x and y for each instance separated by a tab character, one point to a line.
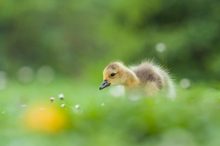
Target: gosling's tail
168	82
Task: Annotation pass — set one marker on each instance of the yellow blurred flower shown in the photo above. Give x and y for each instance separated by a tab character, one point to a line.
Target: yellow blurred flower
45	118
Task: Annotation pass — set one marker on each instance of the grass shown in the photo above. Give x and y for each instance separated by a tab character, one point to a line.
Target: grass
102	120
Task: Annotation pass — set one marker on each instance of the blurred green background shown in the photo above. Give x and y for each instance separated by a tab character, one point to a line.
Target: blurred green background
51	47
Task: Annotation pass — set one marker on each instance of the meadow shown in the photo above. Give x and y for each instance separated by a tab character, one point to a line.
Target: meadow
52	54
99	118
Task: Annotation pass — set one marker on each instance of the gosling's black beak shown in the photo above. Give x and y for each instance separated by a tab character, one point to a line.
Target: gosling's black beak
104	84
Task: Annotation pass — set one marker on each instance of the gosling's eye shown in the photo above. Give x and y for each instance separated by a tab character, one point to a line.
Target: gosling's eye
113	74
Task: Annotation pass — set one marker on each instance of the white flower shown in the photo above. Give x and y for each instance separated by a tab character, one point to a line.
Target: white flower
160	47
61	96
52	99
185	83
77	106
62	105
117	91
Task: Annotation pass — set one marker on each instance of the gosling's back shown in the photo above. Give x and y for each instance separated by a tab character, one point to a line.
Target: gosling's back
154	78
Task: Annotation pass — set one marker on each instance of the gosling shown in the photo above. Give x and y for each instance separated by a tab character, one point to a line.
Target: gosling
147	77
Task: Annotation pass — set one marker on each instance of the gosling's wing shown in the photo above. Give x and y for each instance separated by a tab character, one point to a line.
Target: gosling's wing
146	72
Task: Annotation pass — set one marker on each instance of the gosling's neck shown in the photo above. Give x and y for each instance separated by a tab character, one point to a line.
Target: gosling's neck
131	80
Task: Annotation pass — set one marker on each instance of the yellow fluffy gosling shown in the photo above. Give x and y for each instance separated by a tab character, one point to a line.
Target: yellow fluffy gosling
146	77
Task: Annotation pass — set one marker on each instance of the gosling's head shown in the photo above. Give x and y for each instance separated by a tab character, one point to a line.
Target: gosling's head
113	74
